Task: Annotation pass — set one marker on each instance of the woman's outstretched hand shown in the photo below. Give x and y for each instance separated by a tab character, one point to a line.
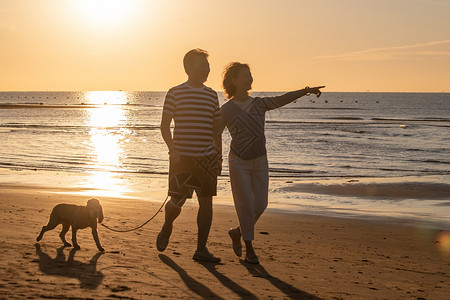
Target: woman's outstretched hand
314	90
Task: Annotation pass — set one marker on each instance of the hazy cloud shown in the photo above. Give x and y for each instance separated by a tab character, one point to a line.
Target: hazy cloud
436	49
440	2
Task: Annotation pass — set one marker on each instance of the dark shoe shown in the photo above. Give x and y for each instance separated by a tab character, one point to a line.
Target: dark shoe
236	239
204	255
163	238
252	260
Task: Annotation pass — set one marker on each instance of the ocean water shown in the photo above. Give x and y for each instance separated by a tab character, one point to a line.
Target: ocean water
339	135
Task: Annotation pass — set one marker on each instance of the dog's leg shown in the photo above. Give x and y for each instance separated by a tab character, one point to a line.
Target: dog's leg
97	241
71	257
62	235
44	229
74	238
52	223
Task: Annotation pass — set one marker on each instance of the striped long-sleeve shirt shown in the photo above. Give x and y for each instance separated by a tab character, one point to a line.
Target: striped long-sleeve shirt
194	111
246	127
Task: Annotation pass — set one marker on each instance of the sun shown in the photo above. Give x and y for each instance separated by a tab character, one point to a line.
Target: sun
106	12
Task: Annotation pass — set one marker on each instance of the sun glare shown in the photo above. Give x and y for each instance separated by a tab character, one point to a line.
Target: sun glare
107	140
106	12
106	97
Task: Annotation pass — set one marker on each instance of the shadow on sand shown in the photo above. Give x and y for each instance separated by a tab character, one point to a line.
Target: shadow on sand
204	292
86	273
289	290
227	282
194	285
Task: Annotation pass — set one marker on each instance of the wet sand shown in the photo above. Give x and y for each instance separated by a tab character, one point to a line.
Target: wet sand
302	256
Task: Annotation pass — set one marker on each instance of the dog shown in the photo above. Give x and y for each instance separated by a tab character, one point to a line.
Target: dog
77	216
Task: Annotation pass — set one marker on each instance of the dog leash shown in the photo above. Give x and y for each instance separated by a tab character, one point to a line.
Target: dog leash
157	212
128	230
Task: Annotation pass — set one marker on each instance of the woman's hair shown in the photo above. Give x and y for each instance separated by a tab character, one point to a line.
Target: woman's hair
231	71
189	58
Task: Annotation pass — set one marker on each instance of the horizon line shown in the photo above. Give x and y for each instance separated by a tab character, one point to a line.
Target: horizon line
164	91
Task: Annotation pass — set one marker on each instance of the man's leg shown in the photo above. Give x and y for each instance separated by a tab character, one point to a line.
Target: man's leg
204	220
172	211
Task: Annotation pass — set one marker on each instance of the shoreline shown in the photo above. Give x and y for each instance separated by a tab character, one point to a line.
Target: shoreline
39	105
412	200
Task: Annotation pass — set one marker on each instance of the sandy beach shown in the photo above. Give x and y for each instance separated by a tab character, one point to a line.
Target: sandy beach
302	256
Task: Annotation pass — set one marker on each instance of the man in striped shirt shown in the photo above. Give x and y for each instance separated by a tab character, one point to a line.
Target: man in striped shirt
195	149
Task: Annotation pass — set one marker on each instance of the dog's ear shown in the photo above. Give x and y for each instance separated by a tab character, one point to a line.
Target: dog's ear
100	213
95	209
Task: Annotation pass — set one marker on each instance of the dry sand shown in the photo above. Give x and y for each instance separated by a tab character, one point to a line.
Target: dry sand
302	256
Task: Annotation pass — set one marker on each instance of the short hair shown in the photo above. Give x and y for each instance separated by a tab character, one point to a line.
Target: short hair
232	71
189	58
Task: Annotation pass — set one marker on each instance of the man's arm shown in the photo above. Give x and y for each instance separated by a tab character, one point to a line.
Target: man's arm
166	119
218	129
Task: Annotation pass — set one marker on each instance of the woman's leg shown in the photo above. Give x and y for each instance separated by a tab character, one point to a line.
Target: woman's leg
250	255
235	235
260	186
260	191
240	178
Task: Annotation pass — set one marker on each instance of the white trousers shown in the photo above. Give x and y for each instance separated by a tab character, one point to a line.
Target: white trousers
250	188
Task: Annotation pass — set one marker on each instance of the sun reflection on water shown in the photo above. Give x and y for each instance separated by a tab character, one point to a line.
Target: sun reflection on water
107	138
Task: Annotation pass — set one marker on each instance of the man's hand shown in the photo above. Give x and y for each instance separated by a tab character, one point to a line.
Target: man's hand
174	156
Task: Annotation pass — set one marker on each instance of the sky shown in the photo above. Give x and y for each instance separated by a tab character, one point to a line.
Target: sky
138	45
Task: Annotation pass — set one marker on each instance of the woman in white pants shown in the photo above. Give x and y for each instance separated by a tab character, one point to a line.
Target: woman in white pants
244	116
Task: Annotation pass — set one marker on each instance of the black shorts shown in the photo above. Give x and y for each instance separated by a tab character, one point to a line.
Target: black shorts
194	173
